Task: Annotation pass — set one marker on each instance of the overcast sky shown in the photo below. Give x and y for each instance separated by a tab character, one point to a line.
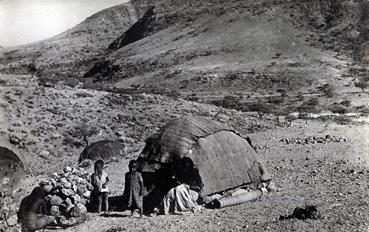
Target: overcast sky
25	21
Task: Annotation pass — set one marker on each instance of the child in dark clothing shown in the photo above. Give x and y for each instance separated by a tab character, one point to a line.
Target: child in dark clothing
100	181
134	188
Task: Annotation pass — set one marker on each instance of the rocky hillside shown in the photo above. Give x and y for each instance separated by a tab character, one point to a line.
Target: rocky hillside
201	45
68	53
242	45
209	50
51	126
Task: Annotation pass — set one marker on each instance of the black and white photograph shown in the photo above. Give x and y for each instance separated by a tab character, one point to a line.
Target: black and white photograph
184	115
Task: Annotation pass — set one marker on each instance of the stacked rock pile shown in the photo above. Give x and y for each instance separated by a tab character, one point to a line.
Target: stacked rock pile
314	140
68	192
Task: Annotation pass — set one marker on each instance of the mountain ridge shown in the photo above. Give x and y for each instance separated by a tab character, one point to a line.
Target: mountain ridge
203	46
75	47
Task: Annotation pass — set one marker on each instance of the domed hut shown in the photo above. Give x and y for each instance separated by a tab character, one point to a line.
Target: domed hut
104	149
12	168
224	158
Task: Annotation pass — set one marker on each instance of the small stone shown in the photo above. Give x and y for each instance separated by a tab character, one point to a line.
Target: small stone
55	175
56	200
4	209
48	187
76	198
12	220
67	174
68	203
83	201
55	210
81	188
70	178
87	194
78	210
87	177
90	187
74	170
67	192
67	169
13	208
44	154
272	187
67	184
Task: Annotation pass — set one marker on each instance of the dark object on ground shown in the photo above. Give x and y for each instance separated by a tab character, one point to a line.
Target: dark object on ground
309	212
104	149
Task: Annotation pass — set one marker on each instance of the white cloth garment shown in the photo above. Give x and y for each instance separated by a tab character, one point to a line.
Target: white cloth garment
180	199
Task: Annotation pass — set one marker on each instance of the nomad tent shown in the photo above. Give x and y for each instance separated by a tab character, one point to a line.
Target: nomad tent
224	158
104	149
12	168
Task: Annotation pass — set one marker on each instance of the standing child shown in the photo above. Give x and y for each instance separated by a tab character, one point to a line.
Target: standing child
100	181
134	188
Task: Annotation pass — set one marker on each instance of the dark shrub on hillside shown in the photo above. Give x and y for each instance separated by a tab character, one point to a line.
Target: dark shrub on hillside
260	107
327	90
282	92
346	103
71	82
310	106
102	68
337	109
362	85
32	67
230	102
80	134
342	120
3	82
47	81
276	100
300	96
193	98
173	94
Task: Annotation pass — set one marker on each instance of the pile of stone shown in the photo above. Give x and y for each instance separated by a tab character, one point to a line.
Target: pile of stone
314	140
68	192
